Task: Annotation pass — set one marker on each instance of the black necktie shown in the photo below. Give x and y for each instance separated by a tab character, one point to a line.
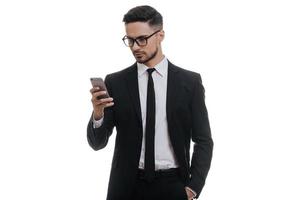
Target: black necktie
150	129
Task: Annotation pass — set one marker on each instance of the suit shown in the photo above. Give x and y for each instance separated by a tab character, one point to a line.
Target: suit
187	119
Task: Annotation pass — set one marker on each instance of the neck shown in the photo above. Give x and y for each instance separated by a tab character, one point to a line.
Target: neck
157	59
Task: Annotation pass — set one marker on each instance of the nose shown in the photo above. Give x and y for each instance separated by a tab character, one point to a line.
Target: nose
135	47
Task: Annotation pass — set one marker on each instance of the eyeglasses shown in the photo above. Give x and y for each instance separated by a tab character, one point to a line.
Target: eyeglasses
140	41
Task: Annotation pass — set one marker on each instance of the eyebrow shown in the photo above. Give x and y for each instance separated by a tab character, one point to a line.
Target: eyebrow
141	36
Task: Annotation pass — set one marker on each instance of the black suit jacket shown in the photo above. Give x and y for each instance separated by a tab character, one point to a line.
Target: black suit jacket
187	120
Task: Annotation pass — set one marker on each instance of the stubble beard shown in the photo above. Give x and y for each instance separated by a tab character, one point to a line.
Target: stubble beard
147	59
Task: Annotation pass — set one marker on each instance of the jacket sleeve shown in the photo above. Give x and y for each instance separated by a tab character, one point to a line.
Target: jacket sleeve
201	136
98	137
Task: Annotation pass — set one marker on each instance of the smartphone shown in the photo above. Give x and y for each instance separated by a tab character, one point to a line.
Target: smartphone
98	82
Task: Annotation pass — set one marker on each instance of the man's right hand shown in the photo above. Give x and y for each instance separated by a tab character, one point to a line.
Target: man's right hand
100	104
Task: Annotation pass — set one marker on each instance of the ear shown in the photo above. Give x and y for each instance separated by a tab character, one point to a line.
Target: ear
161	35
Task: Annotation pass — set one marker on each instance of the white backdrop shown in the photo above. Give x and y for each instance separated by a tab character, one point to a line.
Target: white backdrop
246	51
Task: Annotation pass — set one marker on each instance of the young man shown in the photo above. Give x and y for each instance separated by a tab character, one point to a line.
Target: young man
157	109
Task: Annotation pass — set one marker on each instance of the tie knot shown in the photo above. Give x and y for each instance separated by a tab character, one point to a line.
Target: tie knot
150	70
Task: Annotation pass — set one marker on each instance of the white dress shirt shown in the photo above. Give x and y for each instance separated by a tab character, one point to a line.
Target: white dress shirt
163	150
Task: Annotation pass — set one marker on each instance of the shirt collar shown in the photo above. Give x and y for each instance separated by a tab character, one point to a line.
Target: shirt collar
161	68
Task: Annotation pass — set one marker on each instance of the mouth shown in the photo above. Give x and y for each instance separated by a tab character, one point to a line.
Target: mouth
138	54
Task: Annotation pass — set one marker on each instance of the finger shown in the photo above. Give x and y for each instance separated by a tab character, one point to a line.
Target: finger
99	93
109	104
94	89
104	104
102	101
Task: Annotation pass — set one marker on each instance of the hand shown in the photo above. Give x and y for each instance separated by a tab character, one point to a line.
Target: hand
189	194
100	104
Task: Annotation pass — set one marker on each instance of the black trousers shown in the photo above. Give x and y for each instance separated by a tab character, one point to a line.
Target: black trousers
166	186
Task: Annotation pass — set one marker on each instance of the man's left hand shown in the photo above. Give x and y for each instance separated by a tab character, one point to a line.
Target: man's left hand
189	194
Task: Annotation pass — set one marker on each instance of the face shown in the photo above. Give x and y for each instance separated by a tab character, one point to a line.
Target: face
144	54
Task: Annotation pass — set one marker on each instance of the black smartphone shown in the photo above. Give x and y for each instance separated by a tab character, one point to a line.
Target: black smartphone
98	82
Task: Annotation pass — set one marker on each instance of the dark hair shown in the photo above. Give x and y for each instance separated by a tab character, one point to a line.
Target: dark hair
144	14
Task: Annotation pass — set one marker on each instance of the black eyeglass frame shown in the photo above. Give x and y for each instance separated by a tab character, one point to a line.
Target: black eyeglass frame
135	40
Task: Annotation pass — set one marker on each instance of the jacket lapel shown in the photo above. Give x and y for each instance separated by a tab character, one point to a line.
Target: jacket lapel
133	89
172	89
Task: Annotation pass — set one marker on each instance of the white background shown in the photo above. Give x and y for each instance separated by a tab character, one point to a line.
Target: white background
246	51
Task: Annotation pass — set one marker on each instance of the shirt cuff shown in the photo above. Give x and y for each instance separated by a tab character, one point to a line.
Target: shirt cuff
192	191
97	123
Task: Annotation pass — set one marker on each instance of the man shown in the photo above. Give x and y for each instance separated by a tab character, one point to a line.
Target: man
157	109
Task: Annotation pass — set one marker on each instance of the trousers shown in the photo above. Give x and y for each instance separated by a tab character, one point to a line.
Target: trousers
167	185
